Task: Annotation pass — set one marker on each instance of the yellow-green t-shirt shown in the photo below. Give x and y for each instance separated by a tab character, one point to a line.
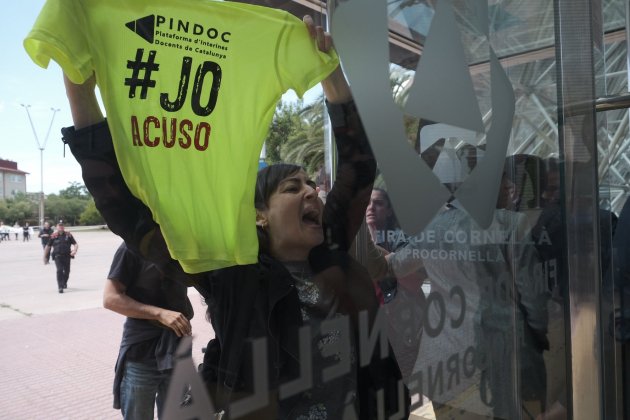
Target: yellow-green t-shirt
190	88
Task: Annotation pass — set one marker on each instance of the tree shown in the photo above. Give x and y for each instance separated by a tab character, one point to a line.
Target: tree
296	134
19	211
91	215
4	210
20	208
69	204
284	124
305	145
63	208
75	190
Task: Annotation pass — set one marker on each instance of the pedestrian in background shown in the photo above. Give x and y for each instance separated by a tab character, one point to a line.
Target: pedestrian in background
158	312
44	234
63	247
26	235
4	232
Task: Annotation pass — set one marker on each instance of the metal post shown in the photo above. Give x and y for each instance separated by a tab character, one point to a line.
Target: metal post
41	189
41	147
579	39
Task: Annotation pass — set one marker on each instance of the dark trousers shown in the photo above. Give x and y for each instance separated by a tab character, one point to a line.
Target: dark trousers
63	269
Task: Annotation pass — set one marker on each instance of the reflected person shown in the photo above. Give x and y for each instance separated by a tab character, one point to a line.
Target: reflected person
402	299
483	290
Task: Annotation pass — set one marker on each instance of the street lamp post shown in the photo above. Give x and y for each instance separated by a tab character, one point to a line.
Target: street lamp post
41	147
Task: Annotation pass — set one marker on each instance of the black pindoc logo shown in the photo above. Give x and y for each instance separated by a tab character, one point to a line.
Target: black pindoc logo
144	27
149	26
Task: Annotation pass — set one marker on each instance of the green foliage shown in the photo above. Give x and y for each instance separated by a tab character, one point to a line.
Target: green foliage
63	208
305	146
19	197
69	206
4	210
19	208
296	134
75	190
284	124
19	211
91	215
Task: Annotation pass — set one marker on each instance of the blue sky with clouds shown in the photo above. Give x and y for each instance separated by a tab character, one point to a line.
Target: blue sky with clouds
23	82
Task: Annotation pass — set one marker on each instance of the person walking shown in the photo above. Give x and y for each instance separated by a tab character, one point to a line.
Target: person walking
44	234
158	312
63	247
26	234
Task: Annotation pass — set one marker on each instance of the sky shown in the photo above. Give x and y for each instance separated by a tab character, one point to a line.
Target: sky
23	82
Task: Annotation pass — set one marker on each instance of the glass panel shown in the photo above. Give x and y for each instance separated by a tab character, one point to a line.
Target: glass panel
529	25
479	335
614	168
477	317
614	15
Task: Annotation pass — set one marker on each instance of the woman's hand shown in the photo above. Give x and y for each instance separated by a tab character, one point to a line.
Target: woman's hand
335	86
323	38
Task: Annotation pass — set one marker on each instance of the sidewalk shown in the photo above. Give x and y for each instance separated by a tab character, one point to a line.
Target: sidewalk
58	350
61	366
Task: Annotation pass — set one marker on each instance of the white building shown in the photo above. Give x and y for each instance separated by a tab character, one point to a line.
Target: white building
12	180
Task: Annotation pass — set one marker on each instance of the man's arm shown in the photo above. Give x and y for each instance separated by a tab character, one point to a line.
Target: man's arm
84	106
115	299
74	248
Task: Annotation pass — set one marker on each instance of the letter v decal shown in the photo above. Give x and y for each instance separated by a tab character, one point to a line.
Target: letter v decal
360	32
359	29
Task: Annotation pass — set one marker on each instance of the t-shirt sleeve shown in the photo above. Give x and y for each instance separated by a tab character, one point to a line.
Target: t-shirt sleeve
58	34
124	266
300	64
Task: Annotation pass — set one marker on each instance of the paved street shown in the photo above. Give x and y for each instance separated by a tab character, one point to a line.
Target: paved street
58	350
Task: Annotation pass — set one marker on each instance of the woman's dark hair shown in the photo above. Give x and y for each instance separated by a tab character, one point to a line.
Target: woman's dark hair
392	221
267	183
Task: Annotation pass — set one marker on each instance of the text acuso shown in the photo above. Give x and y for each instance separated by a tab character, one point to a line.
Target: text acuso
169	132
